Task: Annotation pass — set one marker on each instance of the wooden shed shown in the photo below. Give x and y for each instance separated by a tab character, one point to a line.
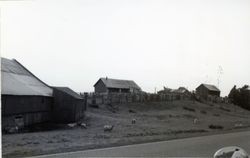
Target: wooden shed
108	85
68	106
26	100
205	90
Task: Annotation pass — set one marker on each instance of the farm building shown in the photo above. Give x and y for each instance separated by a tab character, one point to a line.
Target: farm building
107	85
206	90
181	93
68	105
180	90
25	99
165	91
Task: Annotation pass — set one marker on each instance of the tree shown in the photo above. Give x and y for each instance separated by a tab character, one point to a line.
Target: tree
240	96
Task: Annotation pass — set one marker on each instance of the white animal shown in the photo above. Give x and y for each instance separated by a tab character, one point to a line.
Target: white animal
108	128
83	125
195	121
72	125
133	121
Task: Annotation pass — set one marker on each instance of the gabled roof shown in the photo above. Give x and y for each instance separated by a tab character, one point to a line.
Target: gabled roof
17	80
69	92
211	87
117	83
180	90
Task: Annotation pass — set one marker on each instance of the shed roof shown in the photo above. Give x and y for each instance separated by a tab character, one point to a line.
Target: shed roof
211	87
17	80
117	83
69	92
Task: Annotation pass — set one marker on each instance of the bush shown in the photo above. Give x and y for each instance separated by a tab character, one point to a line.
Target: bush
240	96
131	111
203	112
215	126
217	115
225	109
189	109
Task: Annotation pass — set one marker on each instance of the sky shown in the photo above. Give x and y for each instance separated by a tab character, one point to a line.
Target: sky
156	43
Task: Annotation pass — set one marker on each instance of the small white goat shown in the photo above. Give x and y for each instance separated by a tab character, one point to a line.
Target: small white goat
195	121
108	128
133	121
84	125
71	125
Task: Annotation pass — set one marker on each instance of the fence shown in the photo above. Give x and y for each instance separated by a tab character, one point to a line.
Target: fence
120	98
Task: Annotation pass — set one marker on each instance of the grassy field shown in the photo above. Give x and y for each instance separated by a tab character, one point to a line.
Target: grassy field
154	122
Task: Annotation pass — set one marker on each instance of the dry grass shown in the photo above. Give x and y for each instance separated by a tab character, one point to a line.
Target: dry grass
154	121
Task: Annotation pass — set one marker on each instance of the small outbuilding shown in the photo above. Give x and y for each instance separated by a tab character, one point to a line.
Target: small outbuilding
108	85
205	90
68	106
181	93
26	100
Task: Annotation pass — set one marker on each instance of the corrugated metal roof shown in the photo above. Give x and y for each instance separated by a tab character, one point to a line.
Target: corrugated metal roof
117	83
17	80
69	92
211	87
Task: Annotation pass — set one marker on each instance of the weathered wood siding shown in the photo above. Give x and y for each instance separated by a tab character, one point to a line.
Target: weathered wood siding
66	108
100	87
203	92
32	109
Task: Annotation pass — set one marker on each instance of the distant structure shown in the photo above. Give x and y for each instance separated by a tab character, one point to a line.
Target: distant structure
165	90
206	90
179	94
181	90
68	106
108	85
26	100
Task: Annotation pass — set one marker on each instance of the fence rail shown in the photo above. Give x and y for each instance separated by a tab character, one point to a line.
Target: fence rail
120	98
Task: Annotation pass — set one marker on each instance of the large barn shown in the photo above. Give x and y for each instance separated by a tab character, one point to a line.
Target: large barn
108	85
205	90
26	99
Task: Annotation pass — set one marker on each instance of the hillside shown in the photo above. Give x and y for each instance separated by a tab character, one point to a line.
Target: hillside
154	122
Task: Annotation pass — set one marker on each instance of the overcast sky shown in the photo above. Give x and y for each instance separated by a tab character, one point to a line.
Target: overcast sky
156	43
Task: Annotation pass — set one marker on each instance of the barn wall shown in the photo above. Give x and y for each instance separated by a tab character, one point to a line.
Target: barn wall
80	109
67	108
100	87
202	91
27	109
214	93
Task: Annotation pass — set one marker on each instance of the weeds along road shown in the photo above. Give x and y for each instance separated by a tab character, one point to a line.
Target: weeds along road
204	146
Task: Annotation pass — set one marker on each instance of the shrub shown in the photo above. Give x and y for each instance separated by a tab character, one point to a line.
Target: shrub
240	96
203	112
131	111
225	109
189	109
215	126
